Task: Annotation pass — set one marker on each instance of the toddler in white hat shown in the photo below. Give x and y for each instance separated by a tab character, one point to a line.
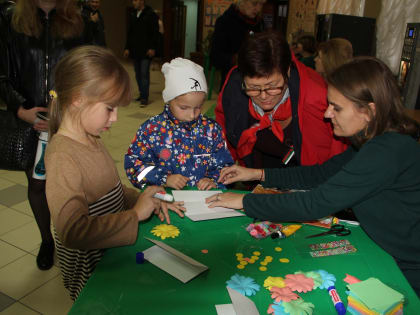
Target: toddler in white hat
182	76
179	147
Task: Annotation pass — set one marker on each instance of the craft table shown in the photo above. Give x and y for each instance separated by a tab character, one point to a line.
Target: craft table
120	286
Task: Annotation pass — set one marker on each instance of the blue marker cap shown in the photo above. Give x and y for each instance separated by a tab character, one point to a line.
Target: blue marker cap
139	257
341	309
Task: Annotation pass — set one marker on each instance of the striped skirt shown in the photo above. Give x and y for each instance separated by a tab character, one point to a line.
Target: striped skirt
77	265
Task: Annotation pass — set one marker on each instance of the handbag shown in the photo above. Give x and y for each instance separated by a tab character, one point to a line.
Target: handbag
18	142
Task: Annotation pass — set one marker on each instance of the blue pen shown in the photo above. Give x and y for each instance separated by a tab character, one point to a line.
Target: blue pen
339	306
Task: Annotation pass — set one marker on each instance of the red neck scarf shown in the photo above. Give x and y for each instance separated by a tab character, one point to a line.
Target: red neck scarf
249	136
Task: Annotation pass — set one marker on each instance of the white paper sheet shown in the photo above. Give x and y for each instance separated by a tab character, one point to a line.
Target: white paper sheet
241	305
181	266
198	210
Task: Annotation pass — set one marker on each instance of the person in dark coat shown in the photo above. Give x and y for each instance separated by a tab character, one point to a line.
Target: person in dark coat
26	79
142	42
231	29
92	14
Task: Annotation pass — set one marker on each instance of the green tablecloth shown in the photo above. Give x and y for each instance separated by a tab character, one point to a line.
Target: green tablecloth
120	286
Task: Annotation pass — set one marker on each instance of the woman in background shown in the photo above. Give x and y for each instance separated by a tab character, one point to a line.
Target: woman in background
332	54
306	48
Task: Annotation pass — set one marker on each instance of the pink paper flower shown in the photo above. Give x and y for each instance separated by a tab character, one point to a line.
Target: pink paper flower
283	294
299	282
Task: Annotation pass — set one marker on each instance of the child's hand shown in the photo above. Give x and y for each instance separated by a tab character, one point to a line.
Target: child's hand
206	184
146	204
176	181
176	206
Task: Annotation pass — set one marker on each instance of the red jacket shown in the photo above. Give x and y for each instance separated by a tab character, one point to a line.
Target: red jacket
313	138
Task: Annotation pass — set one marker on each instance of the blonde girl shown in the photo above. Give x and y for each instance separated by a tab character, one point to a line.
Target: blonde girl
85	196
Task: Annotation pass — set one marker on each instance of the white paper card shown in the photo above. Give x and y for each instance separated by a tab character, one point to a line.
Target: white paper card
225	309
180	266
198	210
241	305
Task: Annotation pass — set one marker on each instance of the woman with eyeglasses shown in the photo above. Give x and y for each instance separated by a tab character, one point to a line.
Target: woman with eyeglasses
271	108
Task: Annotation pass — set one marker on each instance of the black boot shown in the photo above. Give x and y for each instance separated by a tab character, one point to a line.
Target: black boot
45	258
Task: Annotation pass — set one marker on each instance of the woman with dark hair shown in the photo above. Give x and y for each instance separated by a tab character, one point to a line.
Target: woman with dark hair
271	108
39	33
378	176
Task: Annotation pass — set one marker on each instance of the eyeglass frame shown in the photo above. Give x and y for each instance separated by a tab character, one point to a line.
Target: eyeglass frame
281	88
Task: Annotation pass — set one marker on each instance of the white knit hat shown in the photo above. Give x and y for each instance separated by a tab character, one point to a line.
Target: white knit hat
182	76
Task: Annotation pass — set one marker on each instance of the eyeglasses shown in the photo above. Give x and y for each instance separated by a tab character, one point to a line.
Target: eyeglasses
272	91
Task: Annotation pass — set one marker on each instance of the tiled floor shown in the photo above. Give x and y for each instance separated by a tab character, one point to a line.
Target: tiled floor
24	289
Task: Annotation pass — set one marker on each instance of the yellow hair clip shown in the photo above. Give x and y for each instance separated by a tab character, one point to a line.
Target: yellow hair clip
53	94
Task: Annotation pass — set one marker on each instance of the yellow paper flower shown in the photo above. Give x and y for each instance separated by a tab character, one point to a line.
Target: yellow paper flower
165	230
53	94
274	282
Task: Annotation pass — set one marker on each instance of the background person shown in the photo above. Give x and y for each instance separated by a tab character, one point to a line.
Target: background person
242	18
332	54
142	42
306	48
94	17
28	65
378	176
271	108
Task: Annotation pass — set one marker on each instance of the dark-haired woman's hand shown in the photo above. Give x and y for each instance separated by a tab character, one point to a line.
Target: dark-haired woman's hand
236	173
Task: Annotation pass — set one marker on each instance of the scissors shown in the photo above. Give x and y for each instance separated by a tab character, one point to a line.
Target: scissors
336	229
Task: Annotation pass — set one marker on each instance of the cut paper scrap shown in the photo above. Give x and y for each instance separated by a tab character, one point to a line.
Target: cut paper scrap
270	282
277	309
165	231
328	279
350	279
314	275
298	307
244	285
299	282
335	251
327	245
323	222
283	294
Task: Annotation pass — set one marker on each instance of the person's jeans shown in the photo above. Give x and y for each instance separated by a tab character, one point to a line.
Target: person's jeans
142	70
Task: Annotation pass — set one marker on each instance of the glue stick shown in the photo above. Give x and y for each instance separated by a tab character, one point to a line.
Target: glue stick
339	306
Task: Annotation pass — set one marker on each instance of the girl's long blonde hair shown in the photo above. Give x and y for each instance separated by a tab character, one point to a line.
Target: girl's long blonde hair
91	74
68	22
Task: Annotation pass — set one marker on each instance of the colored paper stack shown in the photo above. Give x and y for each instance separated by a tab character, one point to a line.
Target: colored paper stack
372	297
